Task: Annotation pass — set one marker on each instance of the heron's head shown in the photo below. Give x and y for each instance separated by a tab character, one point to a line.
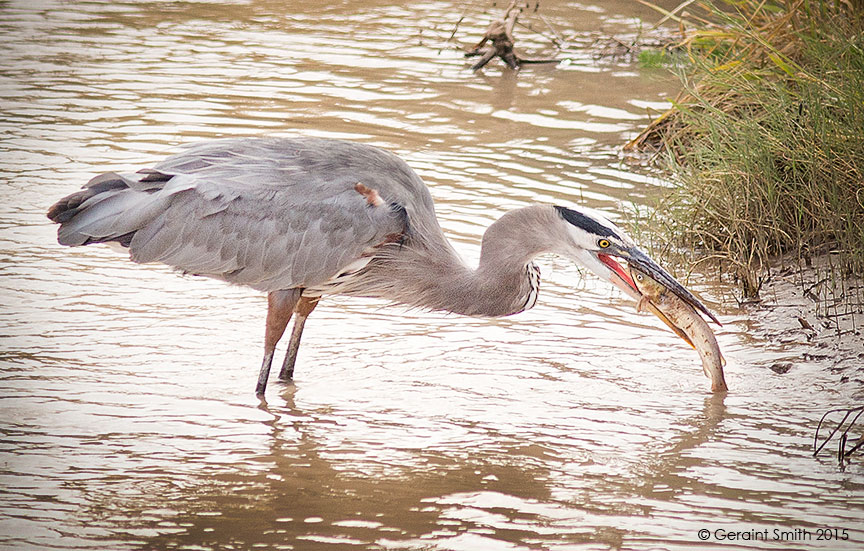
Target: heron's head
598	244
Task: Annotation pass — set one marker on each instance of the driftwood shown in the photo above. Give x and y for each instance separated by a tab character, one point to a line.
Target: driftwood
498	41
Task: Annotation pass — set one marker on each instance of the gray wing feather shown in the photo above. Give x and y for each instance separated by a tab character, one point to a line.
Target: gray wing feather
108	214
273	213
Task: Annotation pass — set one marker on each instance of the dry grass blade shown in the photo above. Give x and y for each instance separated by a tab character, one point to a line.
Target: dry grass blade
843	454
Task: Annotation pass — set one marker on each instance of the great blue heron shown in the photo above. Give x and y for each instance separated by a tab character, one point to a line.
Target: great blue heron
299	218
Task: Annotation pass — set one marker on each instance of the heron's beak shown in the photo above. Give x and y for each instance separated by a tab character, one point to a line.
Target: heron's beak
637	258
620	278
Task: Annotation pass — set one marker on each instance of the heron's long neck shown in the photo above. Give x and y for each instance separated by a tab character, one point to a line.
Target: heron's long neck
432	276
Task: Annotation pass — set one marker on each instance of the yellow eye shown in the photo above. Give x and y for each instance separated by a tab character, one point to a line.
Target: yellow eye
603	243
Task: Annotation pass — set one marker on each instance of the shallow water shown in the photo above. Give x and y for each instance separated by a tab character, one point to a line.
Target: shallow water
128	414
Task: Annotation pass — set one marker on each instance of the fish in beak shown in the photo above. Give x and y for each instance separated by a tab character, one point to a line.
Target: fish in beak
621	278
635	257
685	320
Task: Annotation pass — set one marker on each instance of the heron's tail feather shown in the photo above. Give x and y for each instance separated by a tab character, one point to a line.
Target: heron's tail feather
111	207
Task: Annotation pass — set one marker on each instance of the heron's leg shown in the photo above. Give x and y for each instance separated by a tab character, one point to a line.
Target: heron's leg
304	307
280	305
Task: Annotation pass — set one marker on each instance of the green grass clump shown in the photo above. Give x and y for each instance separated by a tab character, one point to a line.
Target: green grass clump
653	58
766	144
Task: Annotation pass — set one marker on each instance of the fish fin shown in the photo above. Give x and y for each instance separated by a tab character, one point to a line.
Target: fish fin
677	330
684	336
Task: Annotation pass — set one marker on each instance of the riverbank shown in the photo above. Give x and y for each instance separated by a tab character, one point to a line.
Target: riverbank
814	319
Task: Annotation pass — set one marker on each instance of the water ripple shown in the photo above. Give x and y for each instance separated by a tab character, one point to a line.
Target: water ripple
127	414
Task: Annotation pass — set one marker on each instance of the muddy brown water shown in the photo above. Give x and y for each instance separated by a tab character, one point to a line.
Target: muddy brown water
127	410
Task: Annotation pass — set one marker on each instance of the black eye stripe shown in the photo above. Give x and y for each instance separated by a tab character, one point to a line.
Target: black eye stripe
585	222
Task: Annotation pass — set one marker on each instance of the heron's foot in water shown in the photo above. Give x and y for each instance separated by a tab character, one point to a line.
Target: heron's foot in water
287	378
